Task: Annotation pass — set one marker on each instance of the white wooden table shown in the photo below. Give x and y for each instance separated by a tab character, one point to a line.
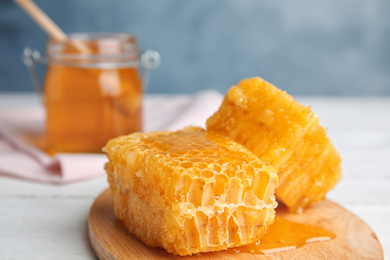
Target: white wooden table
43	221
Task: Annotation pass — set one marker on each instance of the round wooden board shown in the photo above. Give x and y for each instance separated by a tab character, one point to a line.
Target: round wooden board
354	238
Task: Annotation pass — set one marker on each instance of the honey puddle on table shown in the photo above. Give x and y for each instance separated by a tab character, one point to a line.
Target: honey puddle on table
285	235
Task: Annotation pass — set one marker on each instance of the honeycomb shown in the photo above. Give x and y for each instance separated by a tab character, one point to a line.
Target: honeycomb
190	191
284	134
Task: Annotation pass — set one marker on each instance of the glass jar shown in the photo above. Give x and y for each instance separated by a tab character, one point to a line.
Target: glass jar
92	91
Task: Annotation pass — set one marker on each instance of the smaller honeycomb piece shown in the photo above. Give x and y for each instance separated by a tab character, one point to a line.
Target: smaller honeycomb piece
283	133
190	191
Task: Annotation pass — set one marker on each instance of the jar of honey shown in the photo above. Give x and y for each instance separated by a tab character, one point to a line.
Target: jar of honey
93	90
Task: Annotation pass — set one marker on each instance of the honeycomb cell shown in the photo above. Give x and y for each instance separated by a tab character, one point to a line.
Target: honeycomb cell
207	173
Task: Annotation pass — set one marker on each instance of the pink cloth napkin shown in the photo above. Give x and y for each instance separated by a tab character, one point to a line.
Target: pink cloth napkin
21	135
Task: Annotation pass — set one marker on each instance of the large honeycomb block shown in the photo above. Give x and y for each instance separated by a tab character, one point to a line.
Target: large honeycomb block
190	191
283	133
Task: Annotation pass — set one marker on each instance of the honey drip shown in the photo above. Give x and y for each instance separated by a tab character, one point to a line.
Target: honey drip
285	235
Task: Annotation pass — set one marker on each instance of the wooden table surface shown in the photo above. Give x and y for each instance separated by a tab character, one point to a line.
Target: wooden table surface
44	221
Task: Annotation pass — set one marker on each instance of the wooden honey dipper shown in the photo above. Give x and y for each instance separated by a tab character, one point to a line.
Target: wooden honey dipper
49	26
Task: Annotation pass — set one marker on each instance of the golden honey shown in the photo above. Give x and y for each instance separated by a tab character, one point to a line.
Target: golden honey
94	96
284	235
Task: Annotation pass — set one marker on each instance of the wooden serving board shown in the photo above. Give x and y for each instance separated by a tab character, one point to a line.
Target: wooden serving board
354	238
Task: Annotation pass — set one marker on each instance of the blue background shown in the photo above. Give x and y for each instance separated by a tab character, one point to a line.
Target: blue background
305	47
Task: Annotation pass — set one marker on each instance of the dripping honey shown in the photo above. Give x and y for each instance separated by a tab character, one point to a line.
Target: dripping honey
285	235
92	97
